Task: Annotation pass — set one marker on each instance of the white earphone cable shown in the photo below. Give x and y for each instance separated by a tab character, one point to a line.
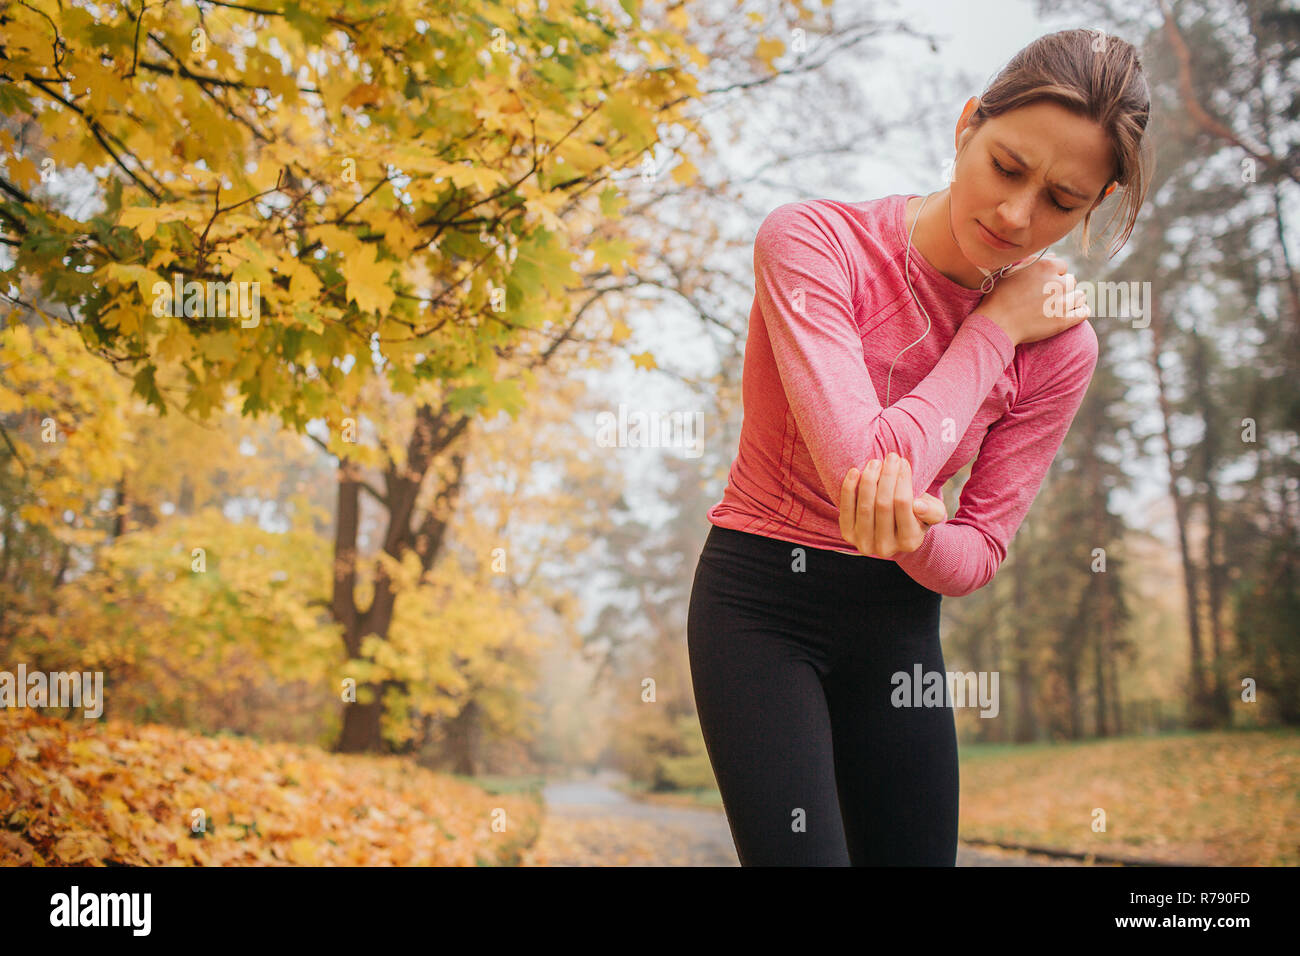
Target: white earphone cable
989	279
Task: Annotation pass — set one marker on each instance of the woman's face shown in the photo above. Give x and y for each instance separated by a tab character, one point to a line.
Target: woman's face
1054	165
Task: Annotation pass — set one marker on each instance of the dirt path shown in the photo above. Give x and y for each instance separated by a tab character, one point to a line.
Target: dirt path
590	822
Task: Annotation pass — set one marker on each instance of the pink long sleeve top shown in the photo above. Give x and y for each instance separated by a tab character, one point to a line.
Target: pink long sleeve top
831	312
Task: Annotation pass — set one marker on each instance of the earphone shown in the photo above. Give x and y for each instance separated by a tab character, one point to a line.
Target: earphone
989	279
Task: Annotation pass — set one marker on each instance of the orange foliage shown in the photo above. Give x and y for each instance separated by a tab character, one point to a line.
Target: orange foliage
106	792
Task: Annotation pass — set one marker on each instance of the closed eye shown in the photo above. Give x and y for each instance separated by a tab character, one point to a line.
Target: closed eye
1010	175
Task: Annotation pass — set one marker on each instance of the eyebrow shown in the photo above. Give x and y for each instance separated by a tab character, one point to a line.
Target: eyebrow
1061	186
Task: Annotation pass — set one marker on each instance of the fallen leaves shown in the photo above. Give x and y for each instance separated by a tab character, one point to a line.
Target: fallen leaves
110	792
1226	798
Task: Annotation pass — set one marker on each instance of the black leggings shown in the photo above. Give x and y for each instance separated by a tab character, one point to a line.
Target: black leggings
792	651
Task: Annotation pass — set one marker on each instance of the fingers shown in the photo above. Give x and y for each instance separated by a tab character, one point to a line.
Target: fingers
931	510
849	505
878	512
865	512
884	533
908	530
1079	304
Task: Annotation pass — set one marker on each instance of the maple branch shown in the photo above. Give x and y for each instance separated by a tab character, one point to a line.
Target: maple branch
98	132
373	189
135	40
9	442
202	81
364	485
346	24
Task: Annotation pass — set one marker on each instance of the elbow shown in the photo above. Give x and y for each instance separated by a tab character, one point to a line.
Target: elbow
971	588
986	568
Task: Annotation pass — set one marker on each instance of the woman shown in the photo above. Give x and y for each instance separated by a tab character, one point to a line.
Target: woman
820	578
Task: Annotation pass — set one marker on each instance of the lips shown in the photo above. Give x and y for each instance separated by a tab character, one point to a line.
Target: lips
994	237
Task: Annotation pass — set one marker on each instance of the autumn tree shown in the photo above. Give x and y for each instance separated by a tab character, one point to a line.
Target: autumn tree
295	203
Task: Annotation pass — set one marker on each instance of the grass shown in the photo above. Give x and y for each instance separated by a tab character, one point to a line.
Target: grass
528	784
1227	798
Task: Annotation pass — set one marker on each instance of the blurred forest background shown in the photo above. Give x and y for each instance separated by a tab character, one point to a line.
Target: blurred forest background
379	517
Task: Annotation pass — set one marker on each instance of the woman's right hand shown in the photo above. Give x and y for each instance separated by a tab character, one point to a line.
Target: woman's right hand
1036	302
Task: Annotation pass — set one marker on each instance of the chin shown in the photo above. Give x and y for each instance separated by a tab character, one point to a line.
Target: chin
978	253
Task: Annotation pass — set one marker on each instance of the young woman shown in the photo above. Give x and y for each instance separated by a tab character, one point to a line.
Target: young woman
822	573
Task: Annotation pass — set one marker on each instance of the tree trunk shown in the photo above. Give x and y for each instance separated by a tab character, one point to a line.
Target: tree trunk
1199	714
462	739
1026	713
362	722
1216	574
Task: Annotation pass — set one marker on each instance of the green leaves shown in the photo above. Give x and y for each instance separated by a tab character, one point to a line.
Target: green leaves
146	386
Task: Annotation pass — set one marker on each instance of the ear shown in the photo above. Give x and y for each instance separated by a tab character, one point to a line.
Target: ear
966	111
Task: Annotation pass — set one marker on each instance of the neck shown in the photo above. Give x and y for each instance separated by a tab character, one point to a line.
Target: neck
933	239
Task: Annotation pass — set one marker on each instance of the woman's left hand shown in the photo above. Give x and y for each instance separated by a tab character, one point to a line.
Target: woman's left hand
878	514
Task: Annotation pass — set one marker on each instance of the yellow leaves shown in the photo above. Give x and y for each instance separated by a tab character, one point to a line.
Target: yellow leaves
768	49
304	852
250	263
70	442
627	114
190	850
463	175
502	110
222	346
400	234
579	158
139	276
200	176
23	172
644	360
364	94
261	803
340	240
81	848
177	343
621	332
26	42
466	121
163	256
368	280
145	219
685	172
107	91
543	204
613	252
10	401
127	319
304	287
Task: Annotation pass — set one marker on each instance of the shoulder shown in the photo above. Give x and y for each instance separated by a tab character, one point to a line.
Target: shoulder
840	230
802	218
1061	363
828	214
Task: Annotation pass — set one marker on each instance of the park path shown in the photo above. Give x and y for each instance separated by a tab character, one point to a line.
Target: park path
591	822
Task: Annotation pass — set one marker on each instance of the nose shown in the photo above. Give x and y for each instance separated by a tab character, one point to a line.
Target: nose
1013	214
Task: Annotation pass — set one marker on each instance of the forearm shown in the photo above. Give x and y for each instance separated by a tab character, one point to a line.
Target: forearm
804	297
953	559
925	425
